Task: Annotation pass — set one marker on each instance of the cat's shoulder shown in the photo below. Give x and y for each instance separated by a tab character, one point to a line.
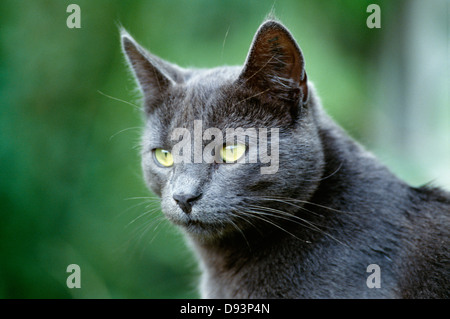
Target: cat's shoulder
431	199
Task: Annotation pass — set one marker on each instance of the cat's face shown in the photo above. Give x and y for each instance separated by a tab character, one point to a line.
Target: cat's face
211	183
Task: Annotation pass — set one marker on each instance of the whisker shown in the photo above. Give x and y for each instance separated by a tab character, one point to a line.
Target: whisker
147	201
148	197
161	220
124	130
120	100
250	97
257	215
237	214
137	234
323	178
146	226
149	212
223	43
296	219
297	200
158	221
294	205
240	231
287	216
258	71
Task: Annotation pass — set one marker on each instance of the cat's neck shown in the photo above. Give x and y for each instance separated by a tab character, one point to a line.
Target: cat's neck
351	172
344	196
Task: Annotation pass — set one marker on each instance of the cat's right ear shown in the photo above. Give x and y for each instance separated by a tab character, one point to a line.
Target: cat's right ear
275	65
153	75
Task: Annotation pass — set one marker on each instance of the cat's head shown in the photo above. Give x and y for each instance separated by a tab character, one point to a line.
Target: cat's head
214	183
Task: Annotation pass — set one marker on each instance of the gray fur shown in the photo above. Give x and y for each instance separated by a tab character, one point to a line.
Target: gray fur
331	209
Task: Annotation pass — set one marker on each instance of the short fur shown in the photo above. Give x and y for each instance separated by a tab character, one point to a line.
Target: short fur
311	229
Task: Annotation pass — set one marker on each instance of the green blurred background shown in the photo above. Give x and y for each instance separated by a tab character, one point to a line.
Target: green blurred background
70	186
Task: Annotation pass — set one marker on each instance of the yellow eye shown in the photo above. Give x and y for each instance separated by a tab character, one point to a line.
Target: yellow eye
163	157
231	153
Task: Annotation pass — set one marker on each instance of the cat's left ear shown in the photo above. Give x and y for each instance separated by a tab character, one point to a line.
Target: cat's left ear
275	64
154	75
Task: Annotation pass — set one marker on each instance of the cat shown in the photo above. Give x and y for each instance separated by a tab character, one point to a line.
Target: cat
317	226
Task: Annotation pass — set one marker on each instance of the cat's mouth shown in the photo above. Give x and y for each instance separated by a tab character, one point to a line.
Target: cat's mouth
194	226
203	230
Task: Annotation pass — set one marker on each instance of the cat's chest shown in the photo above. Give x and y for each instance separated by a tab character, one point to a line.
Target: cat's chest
292	271
267	274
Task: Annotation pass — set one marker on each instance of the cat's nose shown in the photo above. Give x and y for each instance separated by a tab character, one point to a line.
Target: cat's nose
185	201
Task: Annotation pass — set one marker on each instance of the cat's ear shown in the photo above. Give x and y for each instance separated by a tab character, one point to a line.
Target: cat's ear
275	64
153	75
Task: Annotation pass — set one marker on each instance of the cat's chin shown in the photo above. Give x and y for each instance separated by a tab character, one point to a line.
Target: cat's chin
200	230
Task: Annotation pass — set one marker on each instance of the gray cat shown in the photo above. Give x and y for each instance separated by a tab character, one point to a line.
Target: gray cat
329	221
